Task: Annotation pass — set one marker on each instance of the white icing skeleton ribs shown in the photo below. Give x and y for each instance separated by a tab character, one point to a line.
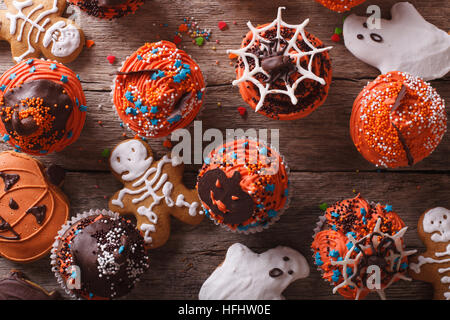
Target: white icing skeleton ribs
406	43
437	223
64	38
131	161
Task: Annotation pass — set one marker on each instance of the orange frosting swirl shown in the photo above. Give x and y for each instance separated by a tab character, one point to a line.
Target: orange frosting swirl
262	175
42	142
356	219
397	120
340	5
310	93
159	89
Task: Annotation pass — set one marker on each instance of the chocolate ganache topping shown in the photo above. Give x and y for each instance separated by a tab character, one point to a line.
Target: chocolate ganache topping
36	113
18	287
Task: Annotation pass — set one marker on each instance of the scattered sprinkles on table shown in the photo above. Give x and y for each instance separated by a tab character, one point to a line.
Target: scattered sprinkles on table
193	30
397	120
243	185
159	89
356	235
42	106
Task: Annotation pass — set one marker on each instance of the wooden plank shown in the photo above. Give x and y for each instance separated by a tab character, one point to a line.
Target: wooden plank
179	268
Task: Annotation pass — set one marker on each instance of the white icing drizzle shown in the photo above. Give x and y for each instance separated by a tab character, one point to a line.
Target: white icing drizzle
347	261
149	187
67	42
248	75
437	222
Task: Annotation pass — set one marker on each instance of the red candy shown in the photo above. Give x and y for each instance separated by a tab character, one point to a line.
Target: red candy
242	111
222	25
111	59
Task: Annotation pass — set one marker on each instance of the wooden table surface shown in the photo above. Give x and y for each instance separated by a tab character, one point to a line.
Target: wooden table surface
325	166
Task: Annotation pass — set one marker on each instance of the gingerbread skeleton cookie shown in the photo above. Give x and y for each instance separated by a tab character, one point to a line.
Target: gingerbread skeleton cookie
35	27
245	275
153	191
433	266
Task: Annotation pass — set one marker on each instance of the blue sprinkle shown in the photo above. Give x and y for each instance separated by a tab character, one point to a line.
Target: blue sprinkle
364	220
5	137
64	79
43	151
154	121
177	63
77	102
334	227
69	134
154	110
349	271
138	104
349	245
157	75
272	213
53	66
78	77
174	119
73	275
129	96
319	262
334	214
155	50
83	108
234	155
334	253
2	87
340	259
270	187
139	57
260	206
29	61
404	266
32	69
91	295
245	144
130	110
388	208
351	234
263	151
77	232
12	76
222	150
144	109
286	192
199	95
207	160
363	211
121	249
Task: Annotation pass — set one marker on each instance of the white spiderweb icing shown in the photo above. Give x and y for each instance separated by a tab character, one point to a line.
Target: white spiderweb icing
348	261
296	54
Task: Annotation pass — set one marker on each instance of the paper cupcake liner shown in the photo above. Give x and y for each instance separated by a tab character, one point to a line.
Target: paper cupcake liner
132	132
61	232
273	220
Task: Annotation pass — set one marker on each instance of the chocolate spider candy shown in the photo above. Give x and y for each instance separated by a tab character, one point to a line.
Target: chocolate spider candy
243	185
17	286
359	248
42	107
397	120
282	71
158	89
108	9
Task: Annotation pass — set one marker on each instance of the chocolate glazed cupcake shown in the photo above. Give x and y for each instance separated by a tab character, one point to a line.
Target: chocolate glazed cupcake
279	76
105	252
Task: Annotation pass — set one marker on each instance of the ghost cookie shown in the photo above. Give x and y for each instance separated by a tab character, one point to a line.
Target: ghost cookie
35	27
153	191
245	275
433	266
406	43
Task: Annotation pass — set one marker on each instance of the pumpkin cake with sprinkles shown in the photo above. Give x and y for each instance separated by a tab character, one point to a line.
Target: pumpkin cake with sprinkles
340	5
108	9
42	107
158	89
397	120
243	185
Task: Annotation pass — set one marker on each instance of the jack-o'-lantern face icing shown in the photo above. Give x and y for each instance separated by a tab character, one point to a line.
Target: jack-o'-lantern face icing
243	185
225	196
31	208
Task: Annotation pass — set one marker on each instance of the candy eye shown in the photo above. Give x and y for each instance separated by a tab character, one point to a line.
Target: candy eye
118	159
360	36
286	258
290	272
365	25
376	37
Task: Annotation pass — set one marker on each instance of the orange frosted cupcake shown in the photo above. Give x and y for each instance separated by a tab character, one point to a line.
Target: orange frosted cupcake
108	9
158	89
281	77
340	5
397	120
243	185
42	106
354	239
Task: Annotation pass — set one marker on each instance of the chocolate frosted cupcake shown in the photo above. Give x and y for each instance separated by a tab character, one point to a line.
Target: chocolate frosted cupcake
98	255
42	106
108	9
17	286
357	239
158	89
280	76
243	185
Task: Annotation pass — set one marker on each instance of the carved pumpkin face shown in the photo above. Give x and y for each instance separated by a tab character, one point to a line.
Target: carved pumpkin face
225	197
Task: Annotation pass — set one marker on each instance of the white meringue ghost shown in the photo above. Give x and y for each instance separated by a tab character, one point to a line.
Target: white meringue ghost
406	43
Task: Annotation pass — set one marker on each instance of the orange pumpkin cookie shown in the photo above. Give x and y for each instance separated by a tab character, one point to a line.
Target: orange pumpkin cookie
282	71
32	207
108	9
356	239
397	120
340	5
158	89
42	106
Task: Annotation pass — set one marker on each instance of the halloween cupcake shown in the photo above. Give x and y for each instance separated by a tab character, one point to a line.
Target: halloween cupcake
357	242
340	5
42	107
108	9
158	89
243	185
282	71
98	255
397	120
17	286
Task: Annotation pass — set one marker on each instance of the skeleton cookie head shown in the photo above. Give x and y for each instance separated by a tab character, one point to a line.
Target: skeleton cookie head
153	191
35	27
437	223
406	43
245	275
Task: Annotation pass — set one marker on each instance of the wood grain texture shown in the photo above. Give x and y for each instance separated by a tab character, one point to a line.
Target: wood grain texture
319	150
